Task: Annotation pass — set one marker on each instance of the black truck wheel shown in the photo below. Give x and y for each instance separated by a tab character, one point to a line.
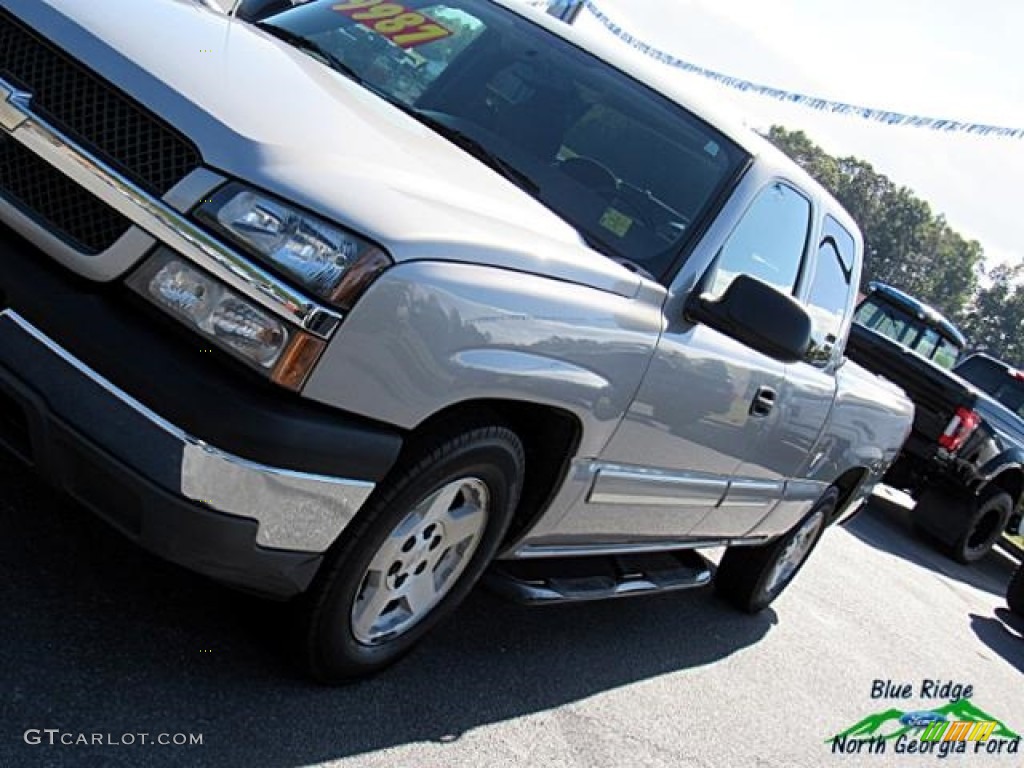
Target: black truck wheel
750	578
1015	592
412	555
965	526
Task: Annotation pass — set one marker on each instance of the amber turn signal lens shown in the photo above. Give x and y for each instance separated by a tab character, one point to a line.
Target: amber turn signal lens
359	276
297	361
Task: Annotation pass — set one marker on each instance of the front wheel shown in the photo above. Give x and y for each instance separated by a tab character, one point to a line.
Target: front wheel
750	578
412	554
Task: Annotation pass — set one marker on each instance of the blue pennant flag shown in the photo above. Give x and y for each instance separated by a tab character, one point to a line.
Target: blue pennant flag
558	7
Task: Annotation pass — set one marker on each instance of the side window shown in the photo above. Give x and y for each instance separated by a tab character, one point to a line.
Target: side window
769	241
830	292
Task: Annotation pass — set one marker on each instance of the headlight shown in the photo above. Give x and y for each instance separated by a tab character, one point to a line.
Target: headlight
213	309
331	262
227	318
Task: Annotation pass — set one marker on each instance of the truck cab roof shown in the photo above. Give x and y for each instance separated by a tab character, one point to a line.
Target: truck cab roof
919	309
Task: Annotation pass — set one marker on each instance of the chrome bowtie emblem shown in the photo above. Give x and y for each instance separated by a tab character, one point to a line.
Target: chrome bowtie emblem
14	106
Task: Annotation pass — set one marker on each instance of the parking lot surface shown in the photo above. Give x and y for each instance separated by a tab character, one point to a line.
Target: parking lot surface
101	638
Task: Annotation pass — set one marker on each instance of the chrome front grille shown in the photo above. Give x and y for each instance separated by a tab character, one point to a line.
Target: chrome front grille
55	201
98	117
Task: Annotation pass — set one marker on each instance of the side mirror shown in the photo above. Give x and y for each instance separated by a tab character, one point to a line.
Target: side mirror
758	316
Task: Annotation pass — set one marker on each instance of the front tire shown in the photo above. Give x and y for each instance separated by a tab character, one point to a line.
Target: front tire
750	578
413	553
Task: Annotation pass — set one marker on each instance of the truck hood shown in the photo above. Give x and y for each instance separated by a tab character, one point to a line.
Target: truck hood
264	112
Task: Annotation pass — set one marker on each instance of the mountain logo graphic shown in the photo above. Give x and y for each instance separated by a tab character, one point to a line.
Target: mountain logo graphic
890	723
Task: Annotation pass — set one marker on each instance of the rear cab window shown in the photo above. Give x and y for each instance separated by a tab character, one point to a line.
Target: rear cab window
907	330
946	353
887	320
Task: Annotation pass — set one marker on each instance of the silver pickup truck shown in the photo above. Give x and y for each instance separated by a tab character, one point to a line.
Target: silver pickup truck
354	303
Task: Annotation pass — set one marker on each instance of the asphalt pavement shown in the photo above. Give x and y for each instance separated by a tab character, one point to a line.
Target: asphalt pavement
101	639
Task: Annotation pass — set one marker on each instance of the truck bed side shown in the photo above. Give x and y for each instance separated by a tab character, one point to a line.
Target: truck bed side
936	392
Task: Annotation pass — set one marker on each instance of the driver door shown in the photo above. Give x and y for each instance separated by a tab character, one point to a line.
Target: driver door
708	405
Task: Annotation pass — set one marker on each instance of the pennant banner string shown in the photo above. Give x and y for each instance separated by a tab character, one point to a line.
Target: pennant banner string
812	102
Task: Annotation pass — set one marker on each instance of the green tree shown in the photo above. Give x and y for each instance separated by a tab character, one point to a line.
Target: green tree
995	320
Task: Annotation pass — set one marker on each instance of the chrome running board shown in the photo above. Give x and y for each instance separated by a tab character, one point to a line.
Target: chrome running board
562	580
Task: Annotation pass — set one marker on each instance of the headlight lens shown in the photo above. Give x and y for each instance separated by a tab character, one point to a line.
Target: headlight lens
228	319
216	311
329	261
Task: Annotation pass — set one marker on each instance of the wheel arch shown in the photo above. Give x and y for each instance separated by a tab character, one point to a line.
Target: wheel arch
1010	479
550	436
849	485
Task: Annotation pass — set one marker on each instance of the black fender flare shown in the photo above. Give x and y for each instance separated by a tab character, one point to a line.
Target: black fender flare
1006	471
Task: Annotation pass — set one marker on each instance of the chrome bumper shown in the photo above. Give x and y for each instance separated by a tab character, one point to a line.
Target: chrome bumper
294	511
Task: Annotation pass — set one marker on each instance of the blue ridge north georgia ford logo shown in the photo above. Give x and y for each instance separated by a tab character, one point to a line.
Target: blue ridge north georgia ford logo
957	726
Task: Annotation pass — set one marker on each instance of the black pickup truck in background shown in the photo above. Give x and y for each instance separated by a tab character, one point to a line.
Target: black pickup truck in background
963	461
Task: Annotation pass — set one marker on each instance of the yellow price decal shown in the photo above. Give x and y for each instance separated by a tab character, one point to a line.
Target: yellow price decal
402	26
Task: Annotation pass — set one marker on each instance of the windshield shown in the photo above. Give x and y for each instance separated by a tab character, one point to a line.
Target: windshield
995	380
908	331
633	172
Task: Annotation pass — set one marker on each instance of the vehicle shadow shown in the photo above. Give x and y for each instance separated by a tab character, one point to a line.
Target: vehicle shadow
99	637
886	526
1003	633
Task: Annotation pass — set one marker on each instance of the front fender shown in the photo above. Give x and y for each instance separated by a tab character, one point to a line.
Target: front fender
430	335
528	372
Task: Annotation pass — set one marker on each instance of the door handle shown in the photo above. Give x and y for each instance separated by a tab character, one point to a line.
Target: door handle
763	402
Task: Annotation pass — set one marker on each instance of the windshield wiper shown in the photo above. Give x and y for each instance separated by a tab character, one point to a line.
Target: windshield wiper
475	148
310	46
457	137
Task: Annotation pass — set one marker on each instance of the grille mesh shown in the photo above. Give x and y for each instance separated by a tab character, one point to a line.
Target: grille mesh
57	202
97	116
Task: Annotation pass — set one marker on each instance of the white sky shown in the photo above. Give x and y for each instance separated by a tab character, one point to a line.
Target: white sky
956	59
